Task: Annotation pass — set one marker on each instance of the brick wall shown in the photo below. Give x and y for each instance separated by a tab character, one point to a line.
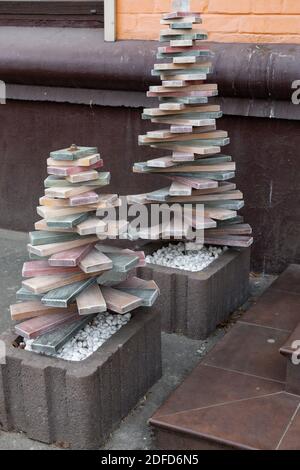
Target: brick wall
226	20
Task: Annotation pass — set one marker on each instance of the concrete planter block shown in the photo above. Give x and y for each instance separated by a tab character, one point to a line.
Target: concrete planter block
193	304
80	403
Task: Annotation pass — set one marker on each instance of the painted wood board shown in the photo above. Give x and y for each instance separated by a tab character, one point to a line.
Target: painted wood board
56	181
189	68
217	213
206	109
105	248
70	257
228	223
159	134
73	152
91	226
200	149
34	308
162	162
43	237
53	202
179	189
123	262
42	225
53	248
40	325
182	21
101	200
181	129
65	192
194	35
230	195
179	157
218	137
91	197
44	284
25	295
81	162
73	170
234	205
167	107
67	221
140	254
233	241
181	26
188	78
238	229
95	262
182	42
114	229
49	212
179	121
138	283
147	296
83	176
64	296
42	268
179	14
111	278
91	301
120	302
196	183
191	99
51	343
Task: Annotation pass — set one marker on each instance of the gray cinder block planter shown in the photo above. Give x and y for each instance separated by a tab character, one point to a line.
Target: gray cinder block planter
80	404
194	304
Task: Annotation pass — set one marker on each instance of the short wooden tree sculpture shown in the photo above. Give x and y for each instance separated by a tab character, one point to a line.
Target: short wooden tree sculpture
72	276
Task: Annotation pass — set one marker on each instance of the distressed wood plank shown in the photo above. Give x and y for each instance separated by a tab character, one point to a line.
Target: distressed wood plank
70	257
35	308
95	262
91	301
44	284
53	248
120	302
41	325
42	268
51	343
64	296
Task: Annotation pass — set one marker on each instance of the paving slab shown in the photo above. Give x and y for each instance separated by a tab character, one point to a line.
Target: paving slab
240	396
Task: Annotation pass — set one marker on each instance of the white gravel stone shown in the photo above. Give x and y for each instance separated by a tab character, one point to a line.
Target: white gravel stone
88	340
186	258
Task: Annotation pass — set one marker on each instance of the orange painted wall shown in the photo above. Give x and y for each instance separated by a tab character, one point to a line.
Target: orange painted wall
225	20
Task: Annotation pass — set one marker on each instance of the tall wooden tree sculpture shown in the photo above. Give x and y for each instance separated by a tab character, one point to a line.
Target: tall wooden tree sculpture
197	170
73	276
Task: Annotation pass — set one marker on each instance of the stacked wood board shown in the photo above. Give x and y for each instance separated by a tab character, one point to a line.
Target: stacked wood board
194	163
71	276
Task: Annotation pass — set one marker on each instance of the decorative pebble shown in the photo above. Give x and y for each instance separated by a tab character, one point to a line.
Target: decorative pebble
179	257
90	338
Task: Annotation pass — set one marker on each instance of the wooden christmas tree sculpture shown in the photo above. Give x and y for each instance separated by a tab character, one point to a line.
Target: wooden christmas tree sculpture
193	163
72	276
